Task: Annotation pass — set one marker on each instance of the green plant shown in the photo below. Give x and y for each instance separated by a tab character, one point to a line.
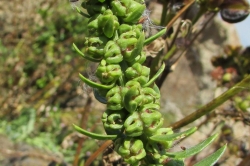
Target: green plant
132	119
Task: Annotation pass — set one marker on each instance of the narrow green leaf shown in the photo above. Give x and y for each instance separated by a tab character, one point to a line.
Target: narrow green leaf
172	137
80	12
192	151
175	163
154	37
84	56
138	47
213	158
155	76
94	135
94	84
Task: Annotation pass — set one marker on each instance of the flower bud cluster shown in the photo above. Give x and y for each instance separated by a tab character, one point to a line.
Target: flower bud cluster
115	40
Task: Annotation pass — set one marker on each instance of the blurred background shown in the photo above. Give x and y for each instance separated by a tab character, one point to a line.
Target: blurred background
41	95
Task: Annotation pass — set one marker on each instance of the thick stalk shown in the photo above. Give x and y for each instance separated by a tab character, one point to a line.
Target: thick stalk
243	85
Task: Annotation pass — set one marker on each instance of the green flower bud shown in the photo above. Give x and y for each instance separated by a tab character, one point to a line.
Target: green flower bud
119	7
112	53
127	41
139	73
131	41
155	153
108	73
122	146
151	118
136	96
133	98
113	121
94	7
150	96
130	149
165	131
115	98
133	125
138	59
131	45
134	12
108	23
93	26
129	11
126	28
95	46
138	30
132	83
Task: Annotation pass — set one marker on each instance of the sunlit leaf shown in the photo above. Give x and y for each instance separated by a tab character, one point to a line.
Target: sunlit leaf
193	150
172	137
213	158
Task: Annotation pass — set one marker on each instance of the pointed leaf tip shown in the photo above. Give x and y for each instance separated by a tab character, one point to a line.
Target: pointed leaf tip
193	150
213	158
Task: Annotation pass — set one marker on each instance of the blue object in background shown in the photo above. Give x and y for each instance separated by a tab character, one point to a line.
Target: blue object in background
243	29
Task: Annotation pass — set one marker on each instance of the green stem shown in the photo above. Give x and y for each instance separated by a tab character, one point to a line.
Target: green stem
164	12
170	53
243	85
199	14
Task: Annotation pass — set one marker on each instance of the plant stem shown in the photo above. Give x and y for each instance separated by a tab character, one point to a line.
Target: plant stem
83	124
171	52
244	84
164	12
179	13
97	152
